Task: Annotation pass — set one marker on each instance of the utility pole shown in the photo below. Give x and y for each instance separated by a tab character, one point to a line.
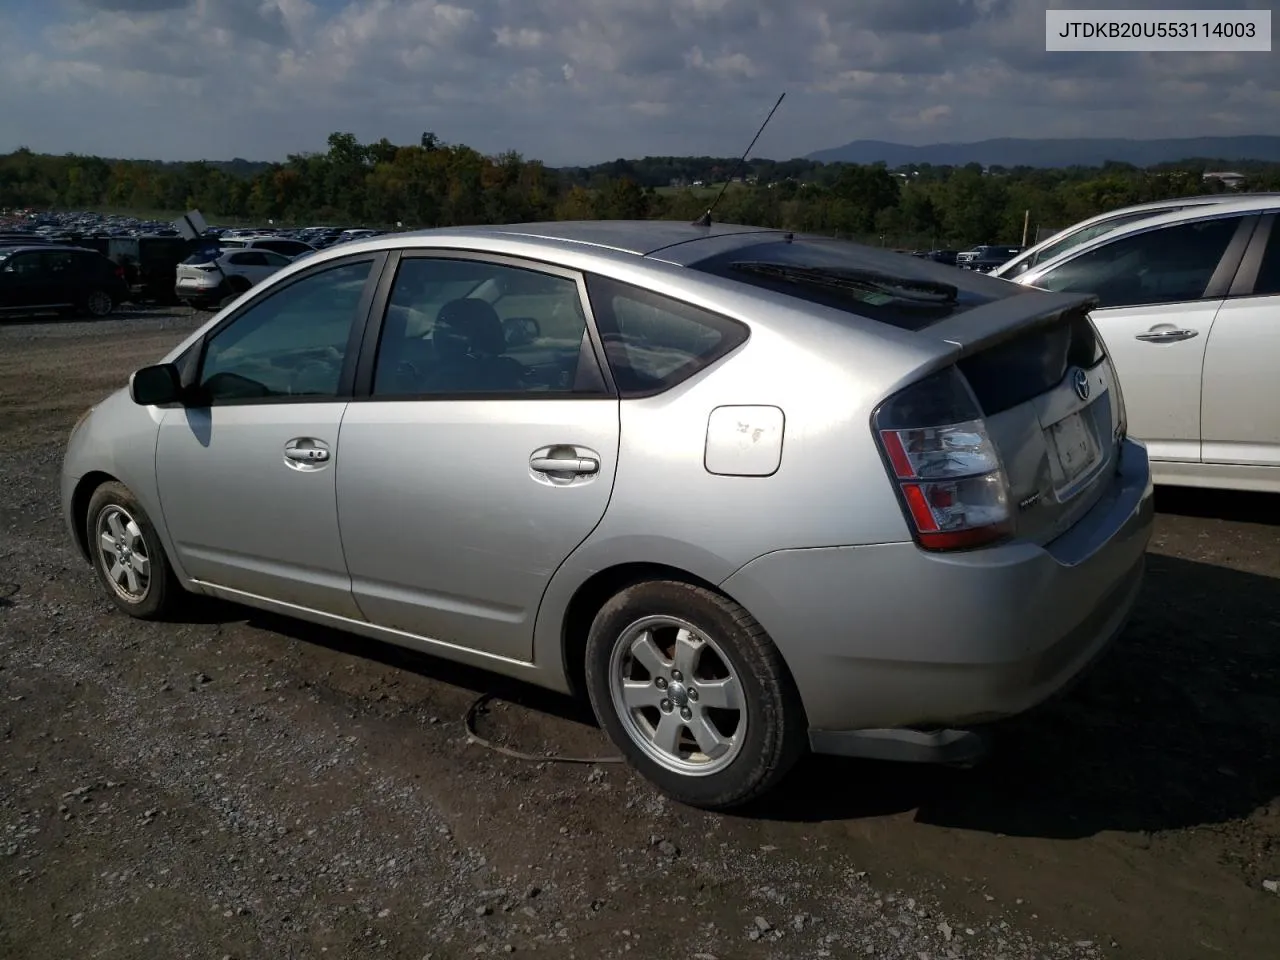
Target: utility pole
1026	222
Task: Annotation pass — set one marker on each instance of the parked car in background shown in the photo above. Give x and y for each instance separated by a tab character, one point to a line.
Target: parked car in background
48	277
1189	304
705	475
1073	236
985	258
214	276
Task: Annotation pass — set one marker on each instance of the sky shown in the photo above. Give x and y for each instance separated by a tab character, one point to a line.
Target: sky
586	81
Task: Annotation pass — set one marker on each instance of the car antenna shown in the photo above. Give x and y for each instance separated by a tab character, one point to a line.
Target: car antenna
705	219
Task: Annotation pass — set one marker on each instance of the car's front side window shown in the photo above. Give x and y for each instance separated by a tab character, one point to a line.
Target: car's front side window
1170	264
291	343
467	326
24	264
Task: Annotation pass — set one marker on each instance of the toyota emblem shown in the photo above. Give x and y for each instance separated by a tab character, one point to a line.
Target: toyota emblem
1080	380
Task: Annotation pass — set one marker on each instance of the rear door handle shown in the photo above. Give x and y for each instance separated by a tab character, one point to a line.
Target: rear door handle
579	465
1166	336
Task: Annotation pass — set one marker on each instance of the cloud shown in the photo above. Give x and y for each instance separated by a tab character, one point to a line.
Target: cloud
580	81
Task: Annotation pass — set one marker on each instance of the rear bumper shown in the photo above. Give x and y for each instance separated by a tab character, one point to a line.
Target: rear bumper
200	294
891	636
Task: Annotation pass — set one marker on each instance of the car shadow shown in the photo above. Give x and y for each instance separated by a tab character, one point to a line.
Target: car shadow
208	611
1233	505
1178	726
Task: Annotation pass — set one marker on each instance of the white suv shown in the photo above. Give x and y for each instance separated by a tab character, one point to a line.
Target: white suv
1189	309
1073	236
215	276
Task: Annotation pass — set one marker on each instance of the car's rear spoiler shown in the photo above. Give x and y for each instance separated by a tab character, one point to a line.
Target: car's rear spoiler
982	327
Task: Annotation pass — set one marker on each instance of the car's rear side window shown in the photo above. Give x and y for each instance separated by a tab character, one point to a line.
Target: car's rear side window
654	342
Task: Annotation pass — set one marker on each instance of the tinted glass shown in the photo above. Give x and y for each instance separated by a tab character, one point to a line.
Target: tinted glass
653	342
466	326
1074	240
1167	265
24	264
206	254
973	290
59	262
292	343
287	247
1268	282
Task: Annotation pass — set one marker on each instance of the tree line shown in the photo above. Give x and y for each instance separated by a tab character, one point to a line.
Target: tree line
433	183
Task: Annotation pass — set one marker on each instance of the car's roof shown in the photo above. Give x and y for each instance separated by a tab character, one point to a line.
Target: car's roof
1158	206
639	237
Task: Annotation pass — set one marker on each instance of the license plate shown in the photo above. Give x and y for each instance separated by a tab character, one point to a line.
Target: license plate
1076	446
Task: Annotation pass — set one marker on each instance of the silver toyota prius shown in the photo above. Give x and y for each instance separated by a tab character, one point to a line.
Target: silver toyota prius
753	492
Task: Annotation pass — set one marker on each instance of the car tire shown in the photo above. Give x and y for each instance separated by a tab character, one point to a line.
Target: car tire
127	554
659	655
98	304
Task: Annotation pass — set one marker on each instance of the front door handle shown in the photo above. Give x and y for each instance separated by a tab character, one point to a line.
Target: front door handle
306	451
578	465
1167	335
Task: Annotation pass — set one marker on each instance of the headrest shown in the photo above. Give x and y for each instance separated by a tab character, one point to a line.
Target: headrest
477	321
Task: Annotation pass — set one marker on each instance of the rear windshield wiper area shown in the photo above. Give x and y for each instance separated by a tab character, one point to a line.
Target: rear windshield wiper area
869	287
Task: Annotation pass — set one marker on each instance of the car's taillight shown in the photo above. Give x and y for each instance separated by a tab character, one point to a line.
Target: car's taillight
948	472
118	271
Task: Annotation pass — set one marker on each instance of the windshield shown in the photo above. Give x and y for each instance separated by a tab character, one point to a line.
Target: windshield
1073	240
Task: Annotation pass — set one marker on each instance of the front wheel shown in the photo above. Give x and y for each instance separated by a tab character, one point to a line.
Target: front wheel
690	687
127	555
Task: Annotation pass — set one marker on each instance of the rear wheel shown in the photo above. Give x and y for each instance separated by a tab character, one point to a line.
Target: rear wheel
233	287
127	555
693	691
98	304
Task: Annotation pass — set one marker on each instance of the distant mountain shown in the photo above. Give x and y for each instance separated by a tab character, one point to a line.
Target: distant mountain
1013	152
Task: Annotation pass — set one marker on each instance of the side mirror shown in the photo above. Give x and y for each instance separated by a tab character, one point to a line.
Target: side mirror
156	385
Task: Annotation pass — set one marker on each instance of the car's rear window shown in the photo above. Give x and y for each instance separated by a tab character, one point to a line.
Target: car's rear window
844	259
206	254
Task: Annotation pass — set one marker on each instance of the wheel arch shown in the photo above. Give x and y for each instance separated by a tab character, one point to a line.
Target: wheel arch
80	498
594	593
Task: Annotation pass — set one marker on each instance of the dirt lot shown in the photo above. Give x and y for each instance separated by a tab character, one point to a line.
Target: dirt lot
236	785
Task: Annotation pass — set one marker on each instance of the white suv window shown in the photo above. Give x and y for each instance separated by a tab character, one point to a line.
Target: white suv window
1170	264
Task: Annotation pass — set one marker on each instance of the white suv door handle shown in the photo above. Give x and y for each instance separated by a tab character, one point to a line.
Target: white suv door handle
1166	335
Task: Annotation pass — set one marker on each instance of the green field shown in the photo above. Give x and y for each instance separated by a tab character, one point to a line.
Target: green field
709	191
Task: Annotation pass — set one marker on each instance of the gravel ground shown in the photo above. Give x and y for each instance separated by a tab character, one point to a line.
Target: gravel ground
237	785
